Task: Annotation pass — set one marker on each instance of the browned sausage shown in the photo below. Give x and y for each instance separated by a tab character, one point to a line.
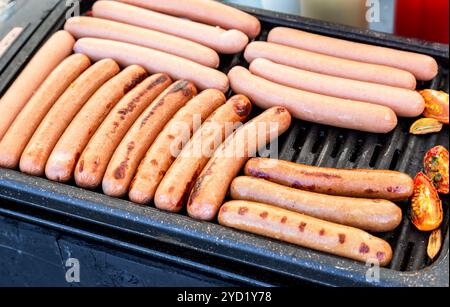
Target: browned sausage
212	185
381	184
168	144
174	189
54	51
373	215
140	137
35	155
95	158
62	161
19	134
299	229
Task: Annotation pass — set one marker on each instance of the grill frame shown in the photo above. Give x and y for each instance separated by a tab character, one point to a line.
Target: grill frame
247	250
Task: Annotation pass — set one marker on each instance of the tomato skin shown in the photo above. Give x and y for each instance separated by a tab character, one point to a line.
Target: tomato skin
436	168
436	105
426	213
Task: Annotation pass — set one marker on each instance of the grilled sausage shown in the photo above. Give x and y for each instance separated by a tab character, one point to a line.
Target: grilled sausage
404	102
140	137
313	107
35	155
52	53
154	61
222	41
302	230
174	189
168	144
19	134
328	65
422	66
205	11
373	215
62	161
95	158
379	184
212	185
100	28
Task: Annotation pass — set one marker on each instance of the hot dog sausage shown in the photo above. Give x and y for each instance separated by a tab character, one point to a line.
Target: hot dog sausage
140	137
313	107
227	42
168	144
19	134
380	184
422	66
154	61
62	161
95	158
404	102
328	65
105	29
176	185
35	155
305	231
205	11
54	51
212	185
373	215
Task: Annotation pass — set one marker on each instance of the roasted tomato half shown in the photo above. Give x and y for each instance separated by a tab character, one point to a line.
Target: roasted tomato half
426	213
436	168
436	105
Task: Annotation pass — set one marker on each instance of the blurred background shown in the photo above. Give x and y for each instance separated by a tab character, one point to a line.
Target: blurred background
423	19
